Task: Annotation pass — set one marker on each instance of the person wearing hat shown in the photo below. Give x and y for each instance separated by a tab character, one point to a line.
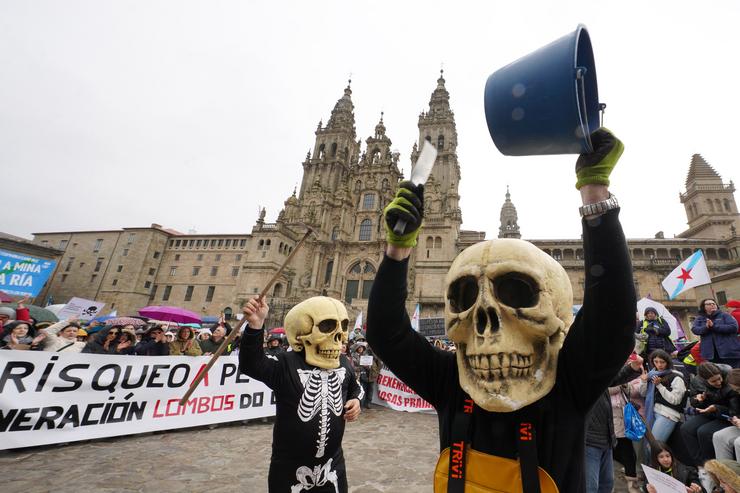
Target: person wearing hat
62	337
211	345
726	473
654	333
82	335
153	343
274	345
185	343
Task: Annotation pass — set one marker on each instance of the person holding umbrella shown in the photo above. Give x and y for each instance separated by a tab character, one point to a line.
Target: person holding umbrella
654	333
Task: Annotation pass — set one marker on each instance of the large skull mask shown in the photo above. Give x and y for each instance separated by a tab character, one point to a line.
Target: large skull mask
508	308
318	325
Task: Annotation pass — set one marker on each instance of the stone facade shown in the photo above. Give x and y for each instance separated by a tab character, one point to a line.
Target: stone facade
341	197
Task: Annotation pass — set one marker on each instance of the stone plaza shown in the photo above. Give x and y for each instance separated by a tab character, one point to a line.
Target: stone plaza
385	451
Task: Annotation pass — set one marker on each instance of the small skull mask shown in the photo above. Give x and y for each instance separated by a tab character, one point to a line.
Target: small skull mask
318	325
508	308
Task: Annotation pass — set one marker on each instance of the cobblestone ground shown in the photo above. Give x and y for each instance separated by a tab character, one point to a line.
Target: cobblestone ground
386	451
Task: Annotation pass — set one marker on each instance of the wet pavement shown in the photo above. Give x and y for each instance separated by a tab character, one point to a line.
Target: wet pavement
385	451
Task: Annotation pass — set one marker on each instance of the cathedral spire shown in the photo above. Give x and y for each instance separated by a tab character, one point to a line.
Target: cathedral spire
509	227
343	115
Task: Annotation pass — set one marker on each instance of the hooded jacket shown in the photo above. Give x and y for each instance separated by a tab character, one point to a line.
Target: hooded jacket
22	341
150	347
96	344
600	424
188	347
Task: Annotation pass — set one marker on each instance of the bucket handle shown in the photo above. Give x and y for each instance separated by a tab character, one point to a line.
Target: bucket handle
582	110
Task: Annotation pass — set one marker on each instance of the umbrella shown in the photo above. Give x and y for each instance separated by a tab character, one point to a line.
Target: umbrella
5	298
662	313
38	313
210	319
136	322
278	330
55	309
170	314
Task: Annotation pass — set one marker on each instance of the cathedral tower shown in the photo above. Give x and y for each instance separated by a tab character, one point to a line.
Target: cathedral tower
710	204
509	227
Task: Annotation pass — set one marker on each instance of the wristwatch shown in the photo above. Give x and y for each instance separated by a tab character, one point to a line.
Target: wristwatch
599	207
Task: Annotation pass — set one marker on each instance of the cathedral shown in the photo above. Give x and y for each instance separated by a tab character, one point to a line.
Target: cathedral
341	197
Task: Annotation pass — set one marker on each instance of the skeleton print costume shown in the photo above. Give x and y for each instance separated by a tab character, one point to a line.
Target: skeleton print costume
506	317
307	437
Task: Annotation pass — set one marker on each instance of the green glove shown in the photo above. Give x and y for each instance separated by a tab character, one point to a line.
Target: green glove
408	205
595	167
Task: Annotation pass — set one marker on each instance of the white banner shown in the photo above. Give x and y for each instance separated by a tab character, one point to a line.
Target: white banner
391	392
48	397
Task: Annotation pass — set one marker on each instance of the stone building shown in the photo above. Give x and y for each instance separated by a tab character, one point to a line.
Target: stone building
344	188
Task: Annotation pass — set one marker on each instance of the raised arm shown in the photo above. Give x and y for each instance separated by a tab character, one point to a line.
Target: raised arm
602	335
409	356
252	358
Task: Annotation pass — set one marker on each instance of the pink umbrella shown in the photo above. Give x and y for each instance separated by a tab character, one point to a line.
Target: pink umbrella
279	330
136	322
170	314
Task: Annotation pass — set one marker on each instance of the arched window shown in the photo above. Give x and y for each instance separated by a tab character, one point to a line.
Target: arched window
322	149
438	242
727	206
430	242
368	201
334	233
333	150
358	186
440	142
359	281
386	186
428	138
267	244
227	313
261	245
366	229
277	291
327	274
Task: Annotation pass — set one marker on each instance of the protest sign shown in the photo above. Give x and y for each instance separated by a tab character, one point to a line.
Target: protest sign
392	392
81	309
48	397
23	275
366	360
663	483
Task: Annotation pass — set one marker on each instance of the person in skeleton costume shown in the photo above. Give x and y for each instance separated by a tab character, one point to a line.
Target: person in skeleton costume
525	373
315	390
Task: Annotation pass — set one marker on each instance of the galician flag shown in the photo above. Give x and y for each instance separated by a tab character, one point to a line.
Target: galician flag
415	319
358	322
691	273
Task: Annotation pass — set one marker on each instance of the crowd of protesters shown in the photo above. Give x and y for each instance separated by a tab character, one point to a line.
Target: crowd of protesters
688	395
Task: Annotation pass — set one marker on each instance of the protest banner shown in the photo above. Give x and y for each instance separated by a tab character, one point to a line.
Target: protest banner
391	392
81	309
366	360
48	397
23	275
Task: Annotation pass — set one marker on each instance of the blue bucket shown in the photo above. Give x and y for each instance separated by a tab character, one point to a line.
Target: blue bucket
546	102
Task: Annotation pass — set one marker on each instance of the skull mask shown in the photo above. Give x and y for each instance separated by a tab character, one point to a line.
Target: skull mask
318	325
508	308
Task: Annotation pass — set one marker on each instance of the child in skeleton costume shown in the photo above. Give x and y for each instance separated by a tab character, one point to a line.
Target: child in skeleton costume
315	389
532	372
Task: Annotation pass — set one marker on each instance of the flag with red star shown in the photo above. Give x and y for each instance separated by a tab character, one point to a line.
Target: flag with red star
691	273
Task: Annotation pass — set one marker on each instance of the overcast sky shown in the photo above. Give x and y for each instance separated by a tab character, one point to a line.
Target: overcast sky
192	114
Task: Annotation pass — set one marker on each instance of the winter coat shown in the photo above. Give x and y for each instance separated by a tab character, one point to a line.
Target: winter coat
719	341
189	347
658	335
150	347
23	342
95	345
669	396
211	346
616	395
59	344
726	400
600	422
131	336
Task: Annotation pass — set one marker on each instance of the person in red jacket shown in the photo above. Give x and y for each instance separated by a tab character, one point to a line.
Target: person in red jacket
8	314
736	312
